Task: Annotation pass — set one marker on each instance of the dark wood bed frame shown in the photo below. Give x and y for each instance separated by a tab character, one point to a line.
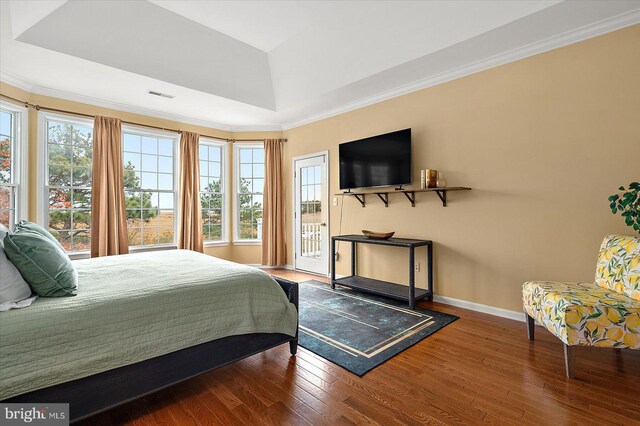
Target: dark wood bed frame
102	391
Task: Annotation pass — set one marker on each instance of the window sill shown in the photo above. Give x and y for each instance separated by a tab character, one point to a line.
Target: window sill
79	255
216	243
247	243
152	248
87	254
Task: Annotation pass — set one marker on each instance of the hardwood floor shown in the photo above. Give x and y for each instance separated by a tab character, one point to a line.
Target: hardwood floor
480	369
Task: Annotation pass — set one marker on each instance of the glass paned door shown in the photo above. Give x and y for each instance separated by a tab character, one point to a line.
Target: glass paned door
311	214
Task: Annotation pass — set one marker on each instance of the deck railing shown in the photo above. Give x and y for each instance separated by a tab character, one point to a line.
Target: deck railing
311	239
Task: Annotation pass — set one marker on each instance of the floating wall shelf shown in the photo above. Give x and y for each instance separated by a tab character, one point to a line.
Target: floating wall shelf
409	193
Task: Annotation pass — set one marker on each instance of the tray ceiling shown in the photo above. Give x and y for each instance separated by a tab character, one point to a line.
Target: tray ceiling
271	64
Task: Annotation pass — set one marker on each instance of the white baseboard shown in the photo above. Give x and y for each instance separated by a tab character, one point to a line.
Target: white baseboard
479	307
465	304
289	267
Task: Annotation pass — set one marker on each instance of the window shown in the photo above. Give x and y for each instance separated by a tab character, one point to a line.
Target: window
13	146
249	187
213	157
149	160
68	153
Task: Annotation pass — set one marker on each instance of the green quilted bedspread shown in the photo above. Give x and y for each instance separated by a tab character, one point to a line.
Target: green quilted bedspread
134	307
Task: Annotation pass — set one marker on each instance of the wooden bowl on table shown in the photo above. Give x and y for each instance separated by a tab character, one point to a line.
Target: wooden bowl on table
377	235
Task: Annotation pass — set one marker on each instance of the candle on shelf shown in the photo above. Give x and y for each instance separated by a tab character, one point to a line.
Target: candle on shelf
432	178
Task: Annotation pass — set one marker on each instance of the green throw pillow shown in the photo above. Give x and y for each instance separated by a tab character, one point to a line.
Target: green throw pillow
25	225
42	263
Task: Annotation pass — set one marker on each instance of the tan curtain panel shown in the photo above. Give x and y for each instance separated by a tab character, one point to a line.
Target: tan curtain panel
273	225
189	211
108	215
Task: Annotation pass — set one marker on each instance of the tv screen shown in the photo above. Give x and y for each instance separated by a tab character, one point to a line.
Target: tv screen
377	161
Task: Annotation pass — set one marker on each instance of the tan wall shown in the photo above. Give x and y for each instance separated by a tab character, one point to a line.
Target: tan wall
542	141
241	254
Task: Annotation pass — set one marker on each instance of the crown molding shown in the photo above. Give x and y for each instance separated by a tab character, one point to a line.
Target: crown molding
564	39
105	103
257	128
545	45
15	82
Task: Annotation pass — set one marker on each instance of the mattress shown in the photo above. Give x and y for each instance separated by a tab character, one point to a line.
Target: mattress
135	307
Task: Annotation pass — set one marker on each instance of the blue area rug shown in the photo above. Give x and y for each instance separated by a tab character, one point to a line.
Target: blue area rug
360	331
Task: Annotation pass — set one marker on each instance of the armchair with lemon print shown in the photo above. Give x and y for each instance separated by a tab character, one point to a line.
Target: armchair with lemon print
605	313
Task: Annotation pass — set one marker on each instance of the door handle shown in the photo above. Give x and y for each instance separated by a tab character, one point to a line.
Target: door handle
323	224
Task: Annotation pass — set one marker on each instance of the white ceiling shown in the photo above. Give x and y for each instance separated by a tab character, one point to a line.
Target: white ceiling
142	38
269	65
261	24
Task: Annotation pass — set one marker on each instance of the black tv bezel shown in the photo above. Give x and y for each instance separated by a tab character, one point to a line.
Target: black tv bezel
385	185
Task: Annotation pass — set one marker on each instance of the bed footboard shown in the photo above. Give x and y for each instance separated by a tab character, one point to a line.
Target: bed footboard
291	289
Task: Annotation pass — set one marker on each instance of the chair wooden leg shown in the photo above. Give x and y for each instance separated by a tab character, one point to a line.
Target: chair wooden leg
531	326
569	360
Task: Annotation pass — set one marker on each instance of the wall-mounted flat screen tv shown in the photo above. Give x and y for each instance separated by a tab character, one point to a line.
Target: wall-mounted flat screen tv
382	160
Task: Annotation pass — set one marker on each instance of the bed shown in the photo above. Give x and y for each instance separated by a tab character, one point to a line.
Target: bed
141	322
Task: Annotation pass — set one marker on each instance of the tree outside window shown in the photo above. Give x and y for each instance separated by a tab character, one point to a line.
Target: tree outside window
69	166
149	189
6	179
148	183
212	188
250	187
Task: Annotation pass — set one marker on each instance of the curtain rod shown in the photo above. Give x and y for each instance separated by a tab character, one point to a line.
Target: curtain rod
43	108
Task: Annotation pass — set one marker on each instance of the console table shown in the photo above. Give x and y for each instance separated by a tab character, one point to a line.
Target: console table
385	288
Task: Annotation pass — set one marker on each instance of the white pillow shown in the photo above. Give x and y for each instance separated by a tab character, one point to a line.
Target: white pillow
13	288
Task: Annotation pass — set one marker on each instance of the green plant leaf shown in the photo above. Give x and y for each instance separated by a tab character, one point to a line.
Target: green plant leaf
627	204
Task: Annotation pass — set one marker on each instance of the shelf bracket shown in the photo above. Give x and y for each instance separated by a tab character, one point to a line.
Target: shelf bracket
443	197
384	197
411	198
360	199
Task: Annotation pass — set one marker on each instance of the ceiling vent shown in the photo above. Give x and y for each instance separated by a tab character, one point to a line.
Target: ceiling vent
163	95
